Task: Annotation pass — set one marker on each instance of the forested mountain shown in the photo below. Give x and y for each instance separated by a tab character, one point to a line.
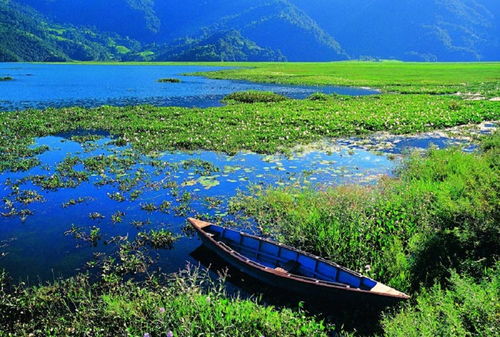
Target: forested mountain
220	46
421	30
298	30
27	36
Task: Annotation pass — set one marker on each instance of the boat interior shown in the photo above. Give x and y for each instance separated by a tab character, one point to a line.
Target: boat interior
287	261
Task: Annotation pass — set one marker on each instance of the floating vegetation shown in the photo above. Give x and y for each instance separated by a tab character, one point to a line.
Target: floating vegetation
165	206
73	202
6	78
29	196
86	138
200	166
158	239
117	196
149	207
93	236
117	217
169	80
140	223
96	216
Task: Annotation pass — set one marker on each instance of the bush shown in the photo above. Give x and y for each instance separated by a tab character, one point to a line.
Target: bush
465	309
253	96
319	96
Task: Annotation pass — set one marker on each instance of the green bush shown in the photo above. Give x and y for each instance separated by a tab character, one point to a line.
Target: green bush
253	96
466	308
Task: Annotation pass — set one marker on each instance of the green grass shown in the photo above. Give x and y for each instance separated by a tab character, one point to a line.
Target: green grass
253	96
259	127
400	77
187	305
441	213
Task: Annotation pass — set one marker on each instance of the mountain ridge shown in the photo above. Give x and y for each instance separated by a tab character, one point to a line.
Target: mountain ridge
296	30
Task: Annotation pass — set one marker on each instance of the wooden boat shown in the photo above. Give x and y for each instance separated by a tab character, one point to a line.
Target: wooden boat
285	267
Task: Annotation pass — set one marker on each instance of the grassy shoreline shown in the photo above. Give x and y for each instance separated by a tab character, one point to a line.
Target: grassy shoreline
388	76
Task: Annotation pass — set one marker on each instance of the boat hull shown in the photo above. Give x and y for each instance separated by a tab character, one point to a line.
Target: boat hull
339	297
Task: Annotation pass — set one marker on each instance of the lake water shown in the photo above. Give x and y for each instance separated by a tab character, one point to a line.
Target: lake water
64	85
199	183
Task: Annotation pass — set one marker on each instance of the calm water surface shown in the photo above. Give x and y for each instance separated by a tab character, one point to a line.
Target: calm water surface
63	85
36	247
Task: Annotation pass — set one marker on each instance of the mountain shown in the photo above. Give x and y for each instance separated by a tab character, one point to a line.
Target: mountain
134	18
220	46
27	36
419	30
298	30
264	22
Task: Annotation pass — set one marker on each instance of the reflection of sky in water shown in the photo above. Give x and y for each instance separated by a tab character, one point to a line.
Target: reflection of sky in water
38	246
63	85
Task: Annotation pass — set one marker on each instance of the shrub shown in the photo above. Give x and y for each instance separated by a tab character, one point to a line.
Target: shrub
467	308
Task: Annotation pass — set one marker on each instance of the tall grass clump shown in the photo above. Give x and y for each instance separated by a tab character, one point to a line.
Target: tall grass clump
465	308
254	96
184	306
441	212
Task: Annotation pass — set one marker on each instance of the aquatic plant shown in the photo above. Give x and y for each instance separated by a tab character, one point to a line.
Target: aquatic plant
169	80
6	78
93	236
117	196
157	239
96	215
149	207
117	217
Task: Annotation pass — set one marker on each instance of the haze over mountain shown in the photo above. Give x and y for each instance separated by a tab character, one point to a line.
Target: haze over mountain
296	30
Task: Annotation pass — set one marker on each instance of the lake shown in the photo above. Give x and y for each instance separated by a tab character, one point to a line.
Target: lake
63	85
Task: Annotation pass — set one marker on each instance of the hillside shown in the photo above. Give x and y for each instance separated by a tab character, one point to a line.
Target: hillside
27	36
264	22
220	46
425	30
299	30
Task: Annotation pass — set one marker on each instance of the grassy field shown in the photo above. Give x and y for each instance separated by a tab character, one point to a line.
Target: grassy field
399	77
